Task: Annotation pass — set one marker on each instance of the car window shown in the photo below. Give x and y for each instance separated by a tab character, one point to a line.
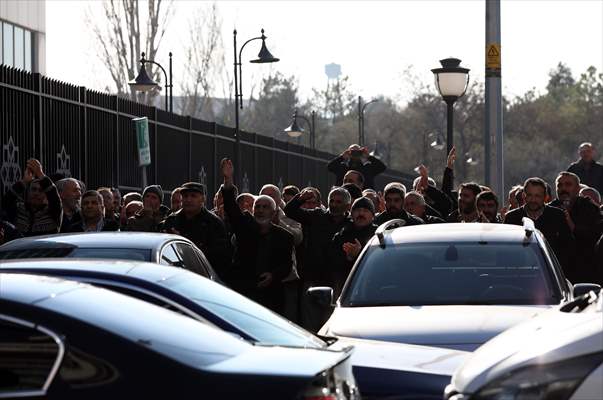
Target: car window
169	256
247	316
452	274
113	254
27	359
190	259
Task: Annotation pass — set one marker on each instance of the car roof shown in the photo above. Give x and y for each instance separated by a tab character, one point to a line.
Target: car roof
135	269
117	240
159	329
456	232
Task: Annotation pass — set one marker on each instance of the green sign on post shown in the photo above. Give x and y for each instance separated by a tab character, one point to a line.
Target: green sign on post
142	141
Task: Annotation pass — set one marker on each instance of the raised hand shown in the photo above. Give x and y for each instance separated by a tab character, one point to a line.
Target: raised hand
352	250
227	170
451	158
306	194
35	167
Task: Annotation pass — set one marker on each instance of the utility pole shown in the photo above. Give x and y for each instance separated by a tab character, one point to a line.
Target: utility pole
494	177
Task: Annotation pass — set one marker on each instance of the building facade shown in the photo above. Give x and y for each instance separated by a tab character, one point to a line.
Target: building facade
23	34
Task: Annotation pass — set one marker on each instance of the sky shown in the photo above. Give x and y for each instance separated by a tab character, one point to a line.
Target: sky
373	41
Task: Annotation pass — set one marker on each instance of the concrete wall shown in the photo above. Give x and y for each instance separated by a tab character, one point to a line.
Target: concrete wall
30	14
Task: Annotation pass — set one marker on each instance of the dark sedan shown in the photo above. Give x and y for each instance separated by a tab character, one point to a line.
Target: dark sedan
382	370
62	339
159	248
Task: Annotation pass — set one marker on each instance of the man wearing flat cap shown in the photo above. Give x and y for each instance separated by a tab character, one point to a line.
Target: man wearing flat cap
201	226
349	241
153	213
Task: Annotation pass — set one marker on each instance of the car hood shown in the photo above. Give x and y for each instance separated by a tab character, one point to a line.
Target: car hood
548	338
455	327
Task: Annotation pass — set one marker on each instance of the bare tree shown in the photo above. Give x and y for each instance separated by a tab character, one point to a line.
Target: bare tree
121	39
205	61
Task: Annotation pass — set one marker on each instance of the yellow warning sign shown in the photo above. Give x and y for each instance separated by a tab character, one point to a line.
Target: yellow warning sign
493	56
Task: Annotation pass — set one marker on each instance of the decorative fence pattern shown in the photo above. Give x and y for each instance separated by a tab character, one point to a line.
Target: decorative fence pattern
90	136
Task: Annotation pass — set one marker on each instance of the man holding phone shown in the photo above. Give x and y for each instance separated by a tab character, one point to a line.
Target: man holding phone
358	159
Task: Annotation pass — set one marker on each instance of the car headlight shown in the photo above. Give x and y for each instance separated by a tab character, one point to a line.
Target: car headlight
547	381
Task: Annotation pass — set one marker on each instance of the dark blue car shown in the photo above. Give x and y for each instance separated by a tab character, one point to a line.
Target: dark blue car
62	339
382	370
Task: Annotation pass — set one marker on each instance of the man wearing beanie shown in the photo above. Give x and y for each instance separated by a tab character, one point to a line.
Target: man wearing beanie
394	206
349	241
150	217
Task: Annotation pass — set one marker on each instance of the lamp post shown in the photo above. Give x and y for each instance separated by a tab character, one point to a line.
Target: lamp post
264	56
144	83
294	129
361	108
451	81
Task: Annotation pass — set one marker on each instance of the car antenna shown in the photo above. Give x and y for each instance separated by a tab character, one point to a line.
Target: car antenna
386	226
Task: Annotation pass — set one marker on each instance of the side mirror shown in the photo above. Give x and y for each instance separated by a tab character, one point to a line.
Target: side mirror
321	295
583	288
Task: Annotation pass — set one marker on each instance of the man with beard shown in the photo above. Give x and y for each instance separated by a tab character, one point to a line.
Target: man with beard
319	227
153	213
109	204
467	210
349	241
358	159
93	215
548	220
487	204
33	204
264	251
583	219
71	196
394	193
415	204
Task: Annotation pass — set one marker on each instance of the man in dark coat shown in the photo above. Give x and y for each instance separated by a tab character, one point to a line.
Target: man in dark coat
583	218
319	226
200	226
93	215
349	241
415	204
33	204
438	203
264	251
548	220
588	170
394	193
358	159
70	192
467	208
149	219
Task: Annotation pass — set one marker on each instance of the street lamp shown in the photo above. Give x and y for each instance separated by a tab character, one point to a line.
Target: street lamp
451	81
264	56
294	129
144	83
361	108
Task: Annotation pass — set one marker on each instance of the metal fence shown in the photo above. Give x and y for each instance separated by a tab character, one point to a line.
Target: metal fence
90	136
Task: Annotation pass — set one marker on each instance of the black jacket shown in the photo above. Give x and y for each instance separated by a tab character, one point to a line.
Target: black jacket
338	262
69	221
438	200
430	219
256	253
554	227
586	216
206	231
590	174
371	168
9	232
319	228
387	216
108	226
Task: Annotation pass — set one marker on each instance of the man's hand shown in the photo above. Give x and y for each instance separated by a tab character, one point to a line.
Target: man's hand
227	171
451	158
365	152
306	195
27	176
381	207
35	167
346	154
265	280
424	182
352	250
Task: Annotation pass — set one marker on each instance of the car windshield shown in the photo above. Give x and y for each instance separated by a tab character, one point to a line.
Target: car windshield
256	321
452	274
77	252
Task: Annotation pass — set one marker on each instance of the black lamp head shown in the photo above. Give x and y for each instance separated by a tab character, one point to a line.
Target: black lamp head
143	81
264	56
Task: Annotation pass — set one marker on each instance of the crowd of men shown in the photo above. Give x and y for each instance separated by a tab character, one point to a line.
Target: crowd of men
274	245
